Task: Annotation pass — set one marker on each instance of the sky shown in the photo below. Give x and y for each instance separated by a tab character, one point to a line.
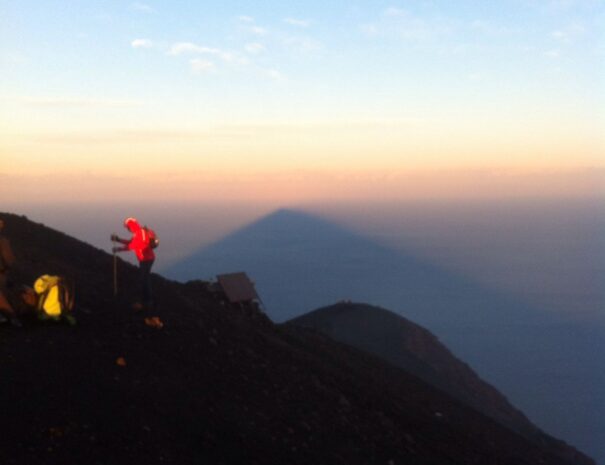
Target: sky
468	133
284	102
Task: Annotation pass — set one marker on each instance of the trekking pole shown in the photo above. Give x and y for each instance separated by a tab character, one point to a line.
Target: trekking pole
115	273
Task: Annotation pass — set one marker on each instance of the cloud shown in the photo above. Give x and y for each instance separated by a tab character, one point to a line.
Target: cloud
399	23
274	74
181	48
302	44
255	48
141	43
142	7
13	57
257	41
258	31
142	136
251	27
264	37
64	102
187	47
554	54
569	33
201	66
296	22
234	58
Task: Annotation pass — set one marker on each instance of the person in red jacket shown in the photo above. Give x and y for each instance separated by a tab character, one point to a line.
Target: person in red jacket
140	244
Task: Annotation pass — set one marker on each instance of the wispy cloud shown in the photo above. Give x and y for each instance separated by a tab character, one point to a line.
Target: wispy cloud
260	38
475	77
257	41
553	54
65	102
13	57
255	48
296	22
249	25
273	74
399	23
569	33
302	44
143	7
258	31
141	43
181	48
201	66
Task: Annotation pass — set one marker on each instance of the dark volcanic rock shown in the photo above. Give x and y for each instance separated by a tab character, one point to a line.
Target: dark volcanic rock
260	394
417	351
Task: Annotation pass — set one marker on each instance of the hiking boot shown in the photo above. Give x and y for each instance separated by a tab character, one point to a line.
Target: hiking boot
16	322
70	320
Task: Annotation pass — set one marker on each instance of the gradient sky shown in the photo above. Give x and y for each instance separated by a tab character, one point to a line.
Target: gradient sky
296	101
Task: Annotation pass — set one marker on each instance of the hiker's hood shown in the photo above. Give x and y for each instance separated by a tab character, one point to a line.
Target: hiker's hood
132	224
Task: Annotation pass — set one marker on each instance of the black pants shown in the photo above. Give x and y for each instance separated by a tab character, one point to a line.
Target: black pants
145	277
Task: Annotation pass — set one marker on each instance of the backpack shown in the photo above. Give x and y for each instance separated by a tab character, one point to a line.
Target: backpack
56	295
152	238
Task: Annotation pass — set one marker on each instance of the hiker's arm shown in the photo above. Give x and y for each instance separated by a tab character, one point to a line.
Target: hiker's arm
115	238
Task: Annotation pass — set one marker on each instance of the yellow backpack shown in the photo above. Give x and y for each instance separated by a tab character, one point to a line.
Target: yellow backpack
56	297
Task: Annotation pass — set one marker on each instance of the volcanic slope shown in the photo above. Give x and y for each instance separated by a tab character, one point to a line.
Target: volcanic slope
215	384
415	349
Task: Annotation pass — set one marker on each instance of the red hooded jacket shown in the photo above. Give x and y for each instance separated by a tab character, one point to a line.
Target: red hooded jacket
139	243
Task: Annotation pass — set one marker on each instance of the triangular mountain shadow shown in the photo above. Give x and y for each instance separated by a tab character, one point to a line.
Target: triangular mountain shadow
300	262
294	254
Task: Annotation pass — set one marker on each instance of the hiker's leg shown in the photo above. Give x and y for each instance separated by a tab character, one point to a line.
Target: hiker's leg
145	270
5	306
6	309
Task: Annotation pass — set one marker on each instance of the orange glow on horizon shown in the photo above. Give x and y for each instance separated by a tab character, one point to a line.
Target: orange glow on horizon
295	186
